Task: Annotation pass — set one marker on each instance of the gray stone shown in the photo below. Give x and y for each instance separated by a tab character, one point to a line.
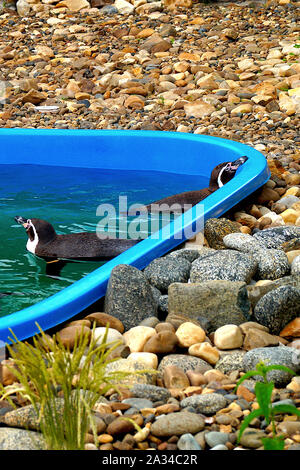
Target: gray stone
177	424
162	272
184	362
215	438
277	308
128	296
21	439
288	201
230	362
26	417
272	263
152	392
274	237
295	266
150	321
281	355
227	265
207	404
188	442
133	373
138	403
218	302
186	253
257	292
252	438
242	242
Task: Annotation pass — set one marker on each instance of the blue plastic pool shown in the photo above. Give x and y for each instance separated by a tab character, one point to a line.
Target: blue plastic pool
168	152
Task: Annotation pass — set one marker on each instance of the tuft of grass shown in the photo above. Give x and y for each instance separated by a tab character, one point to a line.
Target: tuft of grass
263	392
62	385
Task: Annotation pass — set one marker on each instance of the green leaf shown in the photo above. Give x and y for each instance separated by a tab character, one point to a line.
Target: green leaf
263	393
273	443
246	376
279	367
286	409
247	421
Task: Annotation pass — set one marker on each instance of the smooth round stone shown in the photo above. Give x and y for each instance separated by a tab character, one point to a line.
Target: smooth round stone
272	264
138	403
176	424
228	337
71	334
188	442
281	355
112	335
215	438
251	438
205	351
206	404
163	342
101	319
150	321
242	242
184	362
152	392
136	337
148	360
219	447
277	308
188	334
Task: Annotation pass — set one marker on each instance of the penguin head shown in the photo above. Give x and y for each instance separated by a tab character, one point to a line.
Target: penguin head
38	230
224	172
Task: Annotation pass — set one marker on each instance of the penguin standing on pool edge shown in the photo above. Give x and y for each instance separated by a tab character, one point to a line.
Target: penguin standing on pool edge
45	243
220	175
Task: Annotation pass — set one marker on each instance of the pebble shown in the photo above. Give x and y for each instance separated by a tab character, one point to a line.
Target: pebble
228	337
227	265
177	424
187	442
277	308
219	302
273	355
215	438
207	404
164	271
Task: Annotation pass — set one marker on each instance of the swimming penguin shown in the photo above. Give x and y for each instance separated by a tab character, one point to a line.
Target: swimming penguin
44	242
220	175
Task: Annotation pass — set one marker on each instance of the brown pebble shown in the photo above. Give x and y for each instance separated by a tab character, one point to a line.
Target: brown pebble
102	319
164	326
121	446
174	377
106	447
196	378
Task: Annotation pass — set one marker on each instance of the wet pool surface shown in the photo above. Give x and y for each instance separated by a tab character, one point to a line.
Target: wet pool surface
68	198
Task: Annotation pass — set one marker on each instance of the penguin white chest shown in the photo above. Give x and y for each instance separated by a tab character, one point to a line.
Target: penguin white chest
32	244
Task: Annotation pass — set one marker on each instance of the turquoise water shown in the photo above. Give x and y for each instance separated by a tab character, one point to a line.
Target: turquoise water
67	198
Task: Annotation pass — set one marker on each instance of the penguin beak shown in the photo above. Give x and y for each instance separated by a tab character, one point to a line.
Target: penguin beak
20	220
233	166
